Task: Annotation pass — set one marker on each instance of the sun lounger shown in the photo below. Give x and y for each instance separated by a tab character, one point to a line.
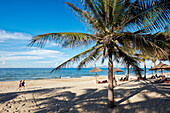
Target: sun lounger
123	79
167	80
103	81
164	80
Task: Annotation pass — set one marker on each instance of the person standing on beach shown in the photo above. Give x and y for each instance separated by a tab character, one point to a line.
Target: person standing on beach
23	84
20	85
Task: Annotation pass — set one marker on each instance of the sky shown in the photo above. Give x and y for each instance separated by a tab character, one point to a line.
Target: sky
20	20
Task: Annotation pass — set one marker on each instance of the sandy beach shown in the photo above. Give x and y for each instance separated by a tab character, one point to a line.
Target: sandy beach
83	95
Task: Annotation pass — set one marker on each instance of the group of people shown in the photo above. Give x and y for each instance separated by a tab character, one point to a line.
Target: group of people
123	79
21	84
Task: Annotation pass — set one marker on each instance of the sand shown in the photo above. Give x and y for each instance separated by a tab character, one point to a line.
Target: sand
83	95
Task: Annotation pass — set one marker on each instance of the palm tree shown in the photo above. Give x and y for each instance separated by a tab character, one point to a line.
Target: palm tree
154	62
142	58
110	22
130	51
127	71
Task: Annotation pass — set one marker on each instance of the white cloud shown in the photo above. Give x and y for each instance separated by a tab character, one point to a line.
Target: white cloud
39	52
4	35
44	62
18	58
23	58
39	56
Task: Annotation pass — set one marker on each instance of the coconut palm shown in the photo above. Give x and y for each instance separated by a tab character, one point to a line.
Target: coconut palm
162	40
142	58
130	51
154	62
113	24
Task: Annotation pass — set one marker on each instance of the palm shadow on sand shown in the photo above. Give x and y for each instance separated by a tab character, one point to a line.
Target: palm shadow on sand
94	100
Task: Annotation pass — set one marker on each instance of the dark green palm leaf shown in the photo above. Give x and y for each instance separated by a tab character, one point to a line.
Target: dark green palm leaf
92	57
66	39
76	58
149	16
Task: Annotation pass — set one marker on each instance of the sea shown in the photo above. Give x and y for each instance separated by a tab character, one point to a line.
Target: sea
15	74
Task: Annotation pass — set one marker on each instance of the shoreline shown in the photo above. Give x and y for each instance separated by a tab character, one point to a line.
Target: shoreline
119	75
37	74
11	86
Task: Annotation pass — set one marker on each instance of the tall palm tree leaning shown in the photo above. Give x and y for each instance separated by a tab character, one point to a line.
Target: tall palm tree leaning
113	23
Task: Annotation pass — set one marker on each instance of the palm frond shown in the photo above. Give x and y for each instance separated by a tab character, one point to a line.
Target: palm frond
149	16
146	46
105	55
119	10
99	56
91	16
127	59
65	39
92	57
75	59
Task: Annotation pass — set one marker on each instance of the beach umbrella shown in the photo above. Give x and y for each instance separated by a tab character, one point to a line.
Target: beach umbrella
117	70
160	66
166	67
95	69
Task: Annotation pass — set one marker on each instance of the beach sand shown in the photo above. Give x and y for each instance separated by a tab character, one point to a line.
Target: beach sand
83	95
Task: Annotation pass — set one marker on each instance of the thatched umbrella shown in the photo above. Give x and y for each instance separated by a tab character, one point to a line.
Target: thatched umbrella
117	70
160	66
95	69
166	67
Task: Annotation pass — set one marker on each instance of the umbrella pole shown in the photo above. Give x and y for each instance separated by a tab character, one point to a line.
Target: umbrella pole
96	78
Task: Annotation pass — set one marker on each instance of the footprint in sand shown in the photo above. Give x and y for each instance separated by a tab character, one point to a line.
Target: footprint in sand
7	103
23	105
9	106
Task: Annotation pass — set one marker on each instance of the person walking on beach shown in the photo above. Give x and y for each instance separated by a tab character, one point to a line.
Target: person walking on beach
23	84
20	85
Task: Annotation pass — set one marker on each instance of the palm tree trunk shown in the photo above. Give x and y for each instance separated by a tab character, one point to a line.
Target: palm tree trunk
127	71
144	68
110	80
154	66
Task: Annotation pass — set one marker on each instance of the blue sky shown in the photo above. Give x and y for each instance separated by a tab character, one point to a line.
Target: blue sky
22	19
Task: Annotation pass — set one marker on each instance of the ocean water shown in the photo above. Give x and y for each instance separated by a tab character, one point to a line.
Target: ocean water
15	74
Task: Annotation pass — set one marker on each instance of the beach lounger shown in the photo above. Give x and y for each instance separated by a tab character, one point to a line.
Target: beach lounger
103	81
164	80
